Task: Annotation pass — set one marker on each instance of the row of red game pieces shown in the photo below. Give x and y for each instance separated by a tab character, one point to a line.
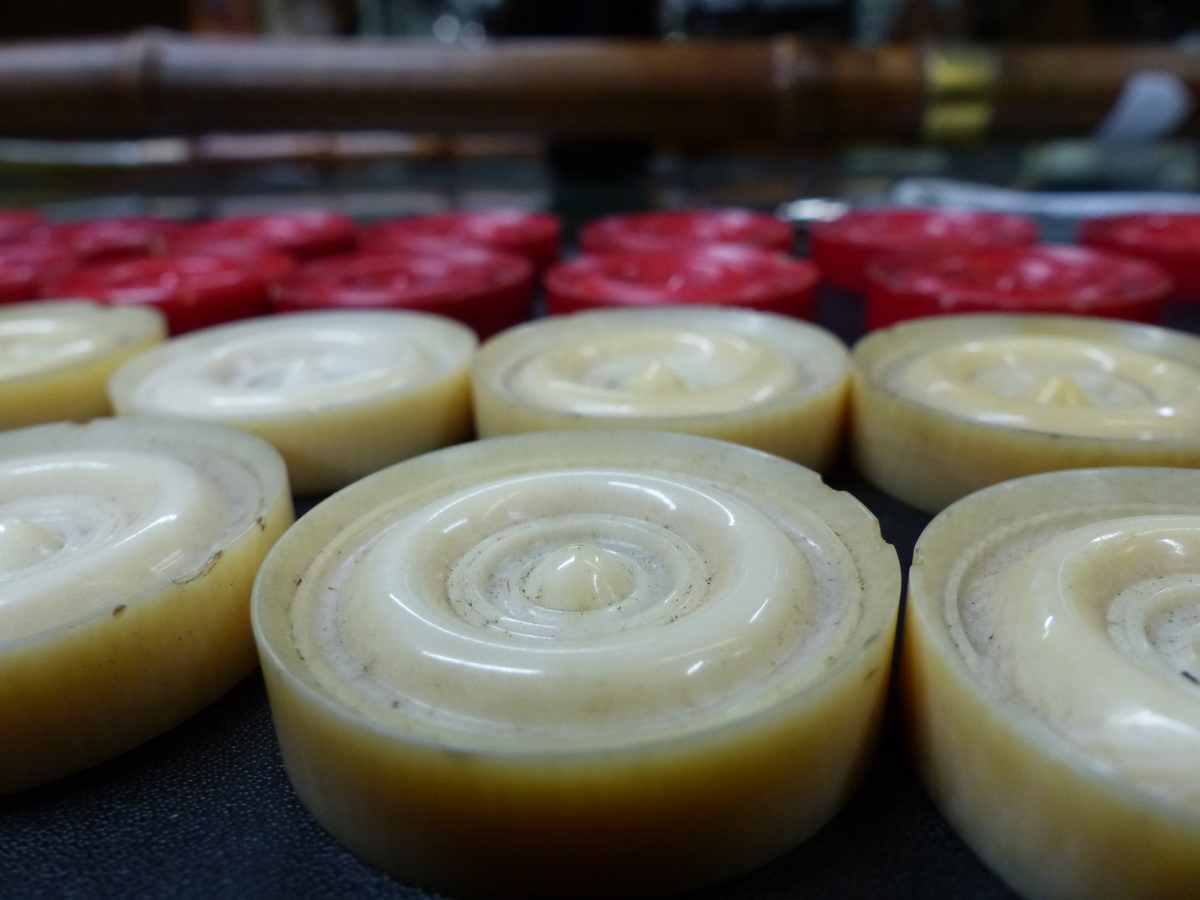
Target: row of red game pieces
479	267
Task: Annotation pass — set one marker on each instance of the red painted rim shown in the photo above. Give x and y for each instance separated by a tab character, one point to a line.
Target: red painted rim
844	247
720	274
1170	240
17	224
1049	278
305	235
534	235
486	289
24	268
679	230
111	239
191	291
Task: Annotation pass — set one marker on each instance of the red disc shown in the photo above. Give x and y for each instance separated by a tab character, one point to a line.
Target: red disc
685	229
24	268
99	240
725	274
18	224
533	235
191	291
1049	278
304	235
486	289
842	248
1170	240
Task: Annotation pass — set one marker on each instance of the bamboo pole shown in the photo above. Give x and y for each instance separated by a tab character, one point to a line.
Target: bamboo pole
777	90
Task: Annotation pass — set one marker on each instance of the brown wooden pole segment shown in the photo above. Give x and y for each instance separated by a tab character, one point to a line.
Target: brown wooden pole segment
1067	90
74	89
571	87
778	90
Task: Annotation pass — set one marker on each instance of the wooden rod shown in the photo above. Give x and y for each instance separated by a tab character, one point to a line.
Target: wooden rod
778	90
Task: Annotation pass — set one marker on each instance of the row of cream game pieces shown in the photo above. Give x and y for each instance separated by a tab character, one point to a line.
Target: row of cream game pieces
657	660
938	408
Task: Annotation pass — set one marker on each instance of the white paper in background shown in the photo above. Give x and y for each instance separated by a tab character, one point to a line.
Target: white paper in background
1057	212
1151	105
1058	204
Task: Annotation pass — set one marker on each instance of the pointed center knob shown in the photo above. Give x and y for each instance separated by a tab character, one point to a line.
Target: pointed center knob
656	378
1059	390
23	544
577	578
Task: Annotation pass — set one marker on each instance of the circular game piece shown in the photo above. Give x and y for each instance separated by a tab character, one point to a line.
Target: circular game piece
485	289
1050	278
534	235
685	229
727	275
304	235
56	357
1049	669
842	248
191	291
656	659
339	394
944	406
128	549
770	382
1172	241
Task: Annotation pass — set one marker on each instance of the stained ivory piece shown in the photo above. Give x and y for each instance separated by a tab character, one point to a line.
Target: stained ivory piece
1052	677
128	549
944	406
56	357
770	382
339	394
585	664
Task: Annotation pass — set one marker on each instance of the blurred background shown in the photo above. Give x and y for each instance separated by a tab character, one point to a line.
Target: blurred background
863	21
375	172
